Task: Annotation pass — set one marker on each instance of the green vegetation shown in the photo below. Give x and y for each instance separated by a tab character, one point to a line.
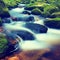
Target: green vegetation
36	11
3	43
39	5
46	8
11	2
57	18
49	9
3	10
56	14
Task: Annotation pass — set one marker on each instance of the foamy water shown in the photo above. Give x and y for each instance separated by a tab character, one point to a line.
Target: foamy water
50	38
56	31
33	45
42	40
16	11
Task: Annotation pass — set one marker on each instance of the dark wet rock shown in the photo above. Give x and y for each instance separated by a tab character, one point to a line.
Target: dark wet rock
26	12
29	8
47	55
25	35
52	24
52	54
12	7
6	20
1	22
30	18
37	28
36	11
3	10
5	15
24	18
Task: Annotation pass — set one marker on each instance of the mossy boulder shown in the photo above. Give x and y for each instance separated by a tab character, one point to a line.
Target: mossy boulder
3	10
49	9
36	11
11	3
56	14
34	5
3	43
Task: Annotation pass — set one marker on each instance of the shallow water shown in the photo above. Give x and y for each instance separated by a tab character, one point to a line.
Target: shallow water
16	11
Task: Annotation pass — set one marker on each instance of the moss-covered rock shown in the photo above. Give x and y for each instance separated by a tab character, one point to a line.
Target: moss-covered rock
3	10
11	3
45	9
56	14
34	5
49	9
36	11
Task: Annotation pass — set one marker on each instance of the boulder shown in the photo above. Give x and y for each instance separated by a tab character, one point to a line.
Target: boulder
24	18
5	15
26	12
37	28
52	24
25	35
36	11
6	20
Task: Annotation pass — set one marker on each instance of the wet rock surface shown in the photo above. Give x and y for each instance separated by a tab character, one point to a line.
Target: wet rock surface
37	28
52	24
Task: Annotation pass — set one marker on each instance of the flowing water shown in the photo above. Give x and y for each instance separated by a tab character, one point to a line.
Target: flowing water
42	40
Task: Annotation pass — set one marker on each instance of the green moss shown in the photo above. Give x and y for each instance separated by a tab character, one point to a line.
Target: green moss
56	14
49	9
11	2
3	43
36	4
32	6
56	19
46	9
3	10
36	11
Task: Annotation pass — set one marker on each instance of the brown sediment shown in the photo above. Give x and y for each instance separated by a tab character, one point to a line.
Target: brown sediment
43	54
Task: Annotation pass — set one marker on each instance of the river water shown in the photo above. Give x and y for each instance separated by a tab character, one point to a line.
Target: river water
44	40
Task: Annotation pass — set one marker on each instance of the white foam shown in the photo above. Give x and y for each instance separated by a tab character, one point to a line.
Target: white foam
33	45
